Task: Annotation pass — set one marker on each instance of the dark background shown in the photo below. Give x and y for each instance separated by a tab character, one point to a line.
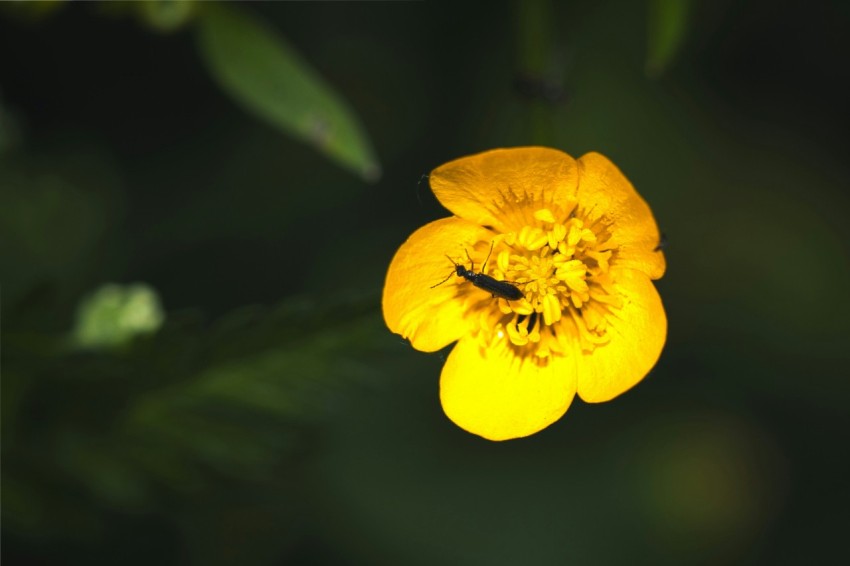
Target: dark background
273	419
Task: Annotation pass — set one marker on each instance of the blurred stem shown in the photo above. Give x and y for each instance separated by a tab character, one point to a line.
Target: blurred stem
667	26
534	36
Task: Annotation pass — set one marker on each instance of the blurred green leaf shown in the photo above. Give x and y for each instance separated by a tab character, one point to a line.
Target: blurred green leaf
31	11
263	368
668	23
115	314
262	376
166	15
57	207
256	67
45	218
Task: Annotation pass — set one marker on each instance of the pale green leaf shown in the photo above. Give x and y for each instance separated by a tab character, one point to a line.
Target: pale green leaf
264	74
114	314
166	16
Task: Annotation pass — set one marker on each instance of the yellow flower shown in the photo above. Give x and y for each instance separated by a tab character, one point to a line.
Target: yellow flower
579	243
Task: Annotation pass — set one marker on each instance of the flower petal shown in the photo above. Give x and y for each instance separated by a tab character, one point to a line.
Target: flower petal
491	392
430	318
637	333
480	187
604	188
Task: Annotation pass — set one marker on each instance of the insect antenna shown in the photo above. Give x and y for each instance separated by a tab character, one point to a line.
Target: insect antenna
449	276
484	267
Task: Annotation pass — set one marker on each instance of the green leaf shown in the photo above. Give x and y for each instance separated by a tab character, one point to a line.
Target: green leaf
259	70
667	26
166	16
114	314
31	11
258	380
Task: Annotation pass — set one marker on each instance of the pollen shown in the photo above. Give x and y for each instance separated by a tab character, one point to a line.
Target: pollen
561	263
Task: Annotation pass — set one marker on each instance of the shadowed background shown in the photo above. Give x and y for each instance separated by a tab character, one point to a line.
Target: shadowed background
198	204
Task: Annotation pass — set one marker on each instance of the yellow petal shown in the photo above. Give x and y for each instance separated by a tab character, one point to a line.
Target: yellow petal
493	393
480	187
602	187
637	332
430	318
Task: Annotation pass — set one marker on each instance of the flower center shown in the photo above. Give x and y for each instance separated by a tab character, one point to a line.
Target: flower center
562	268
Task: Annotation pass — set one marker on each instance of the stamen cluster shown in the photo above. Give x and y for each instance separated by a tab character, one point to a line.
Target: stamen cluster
562	268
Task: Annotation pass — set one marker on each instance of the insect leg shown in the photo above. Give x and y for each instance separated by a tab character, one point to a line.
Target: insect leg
444	280
450	274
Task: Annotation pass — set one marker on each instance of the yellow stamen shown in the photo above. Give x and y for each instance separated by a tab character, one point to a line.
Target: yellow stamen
562	267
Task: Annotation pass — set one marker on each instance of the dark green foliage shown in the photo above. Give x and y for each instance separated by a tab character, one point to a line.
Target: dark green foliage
182	413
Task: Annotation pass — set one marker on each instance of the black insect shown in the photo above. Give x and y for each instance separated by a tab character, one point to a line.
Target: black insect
502	289
662	243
